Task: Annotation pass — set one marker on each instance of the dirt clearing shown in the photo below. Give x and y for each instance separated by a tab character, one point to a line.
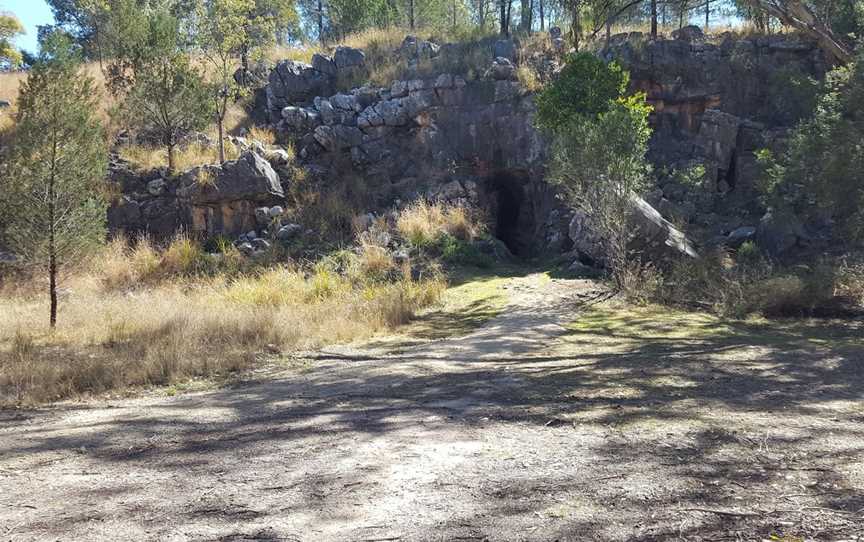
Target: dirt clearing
554	416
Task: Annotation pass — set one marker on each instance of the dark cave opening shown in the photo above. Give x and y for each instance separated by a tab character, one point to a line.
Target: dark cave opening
510	212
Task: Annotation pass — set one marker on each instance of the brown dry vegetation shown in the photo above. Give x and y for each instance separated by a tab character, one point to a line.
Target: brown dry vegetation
142	316
148	157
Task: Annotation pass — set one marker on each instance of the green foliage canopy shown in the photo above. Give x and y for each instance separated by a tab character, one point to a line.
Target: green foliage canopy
10	27
586	87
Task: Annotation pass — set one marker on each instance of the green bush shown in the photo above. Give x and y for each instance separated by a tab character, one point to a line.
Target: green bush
460	252
820	173
585	88
792	96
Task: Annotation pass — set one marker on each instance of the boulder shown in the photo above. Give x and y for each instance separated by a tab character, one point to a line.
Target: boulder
249	178
656	236
288	232
349	57
778	231
739	236
690	33
157	187
292	83
399	89
392	112
502	70
324	64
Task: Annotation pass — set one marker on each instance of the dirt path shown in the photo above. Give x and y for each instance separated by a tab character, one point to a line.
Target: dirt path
525	429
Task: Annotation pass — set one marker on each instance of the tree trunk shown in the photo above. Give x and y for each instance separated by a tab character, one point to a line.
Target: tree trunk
454	15
525	16
707	13
221	125
654	19
608	32
798	15
321	22
503	17
576	24
171	146
411	20
52	255
542	17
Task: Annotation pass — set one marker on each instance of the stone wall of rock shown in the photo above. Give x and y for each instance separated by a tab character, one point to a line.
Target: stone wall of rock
431	137
450	138
207	200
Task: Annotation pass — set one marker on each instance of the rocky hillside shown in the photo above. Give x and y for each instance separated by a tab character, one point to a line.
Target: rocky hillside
473	139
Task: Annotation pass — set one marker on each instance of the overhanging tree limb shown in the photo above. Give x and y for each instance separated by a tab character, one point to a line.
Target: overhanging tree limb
800	16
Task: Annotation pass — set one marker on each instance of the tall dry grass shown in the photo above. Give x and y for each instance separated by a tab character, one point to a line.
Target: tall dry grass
142	316
422	222
144	158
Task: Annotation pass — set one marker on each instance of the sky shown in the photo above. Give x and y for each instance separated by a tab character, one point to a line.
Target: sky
31	13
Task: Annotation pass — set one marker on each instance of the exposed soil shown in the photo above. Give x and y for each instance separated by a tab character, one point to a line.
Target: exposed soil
626	425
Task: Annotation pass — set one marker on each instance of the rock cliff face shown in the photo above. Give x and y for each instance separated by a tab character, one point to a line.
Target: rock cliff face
716	101
438	137
445	137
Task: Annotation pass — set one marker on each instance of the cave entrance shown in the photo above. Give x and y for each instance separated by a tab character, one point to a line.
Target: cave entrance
510	211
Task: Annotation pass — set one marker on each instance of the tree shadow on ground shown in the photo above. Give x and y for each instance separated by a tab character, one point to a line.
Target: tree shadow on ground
635	425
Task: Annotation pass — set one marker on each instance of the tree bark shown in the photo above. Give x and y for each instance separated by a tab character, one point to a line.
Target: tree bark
221	125
575	24
52	254
707	13
654	19
321	22
171	146
542	16
411	20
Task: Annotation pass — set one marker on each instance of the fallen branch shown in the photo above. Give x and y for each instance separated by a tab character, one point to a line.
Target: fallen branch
724	512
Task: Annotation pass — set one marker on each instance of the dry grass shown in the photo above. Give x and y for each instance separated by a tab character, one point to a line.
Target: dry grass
137	319
422	222
264	135
528	78
144	158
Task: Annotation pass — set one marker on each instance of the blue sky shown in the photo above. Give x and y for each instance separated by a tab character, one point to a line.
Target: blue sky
32	13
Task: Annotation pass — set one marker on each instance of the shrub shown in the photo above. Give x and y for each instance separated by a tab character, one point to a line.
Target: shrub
585	88
458	251
824	157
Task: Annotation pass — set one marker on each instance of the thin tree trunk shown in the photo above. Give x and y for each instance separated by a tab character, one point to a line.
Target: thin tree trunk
52	232
576	25
608	32
171	146
52	255
411	20
707	13
321	22
542	17
654	19
525	16
221	124
454	15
